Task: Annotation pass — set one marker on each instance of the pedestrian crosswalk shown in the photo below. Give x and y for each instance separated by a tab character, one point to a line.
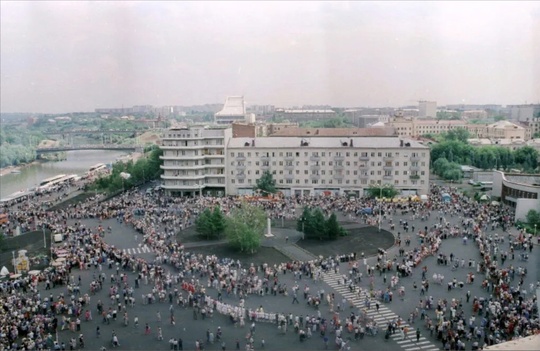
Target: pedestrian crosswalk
383	316
138	250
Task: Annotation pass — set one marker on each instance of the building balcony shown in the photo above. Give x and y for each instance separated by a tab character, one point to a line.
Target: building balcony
179	168
265	158
388	167
214	175
364	176
363	167
388	158
388	177
314	176
265	167
289	176
315	158
289	167
241	176
339	167
240	158
241	167
289	158
214	155
338	176
314	167
415	158
414	177
414	168
339	158
181	157
180	187
364	158
182	177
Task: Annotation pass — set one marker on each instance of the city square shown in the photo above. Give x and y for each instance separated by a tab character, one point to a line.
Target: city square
449	281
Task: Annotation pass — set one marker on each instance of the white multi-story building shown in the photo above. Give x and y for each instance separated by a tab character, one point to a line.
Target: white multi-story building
427	109
234	110
327	165
194	160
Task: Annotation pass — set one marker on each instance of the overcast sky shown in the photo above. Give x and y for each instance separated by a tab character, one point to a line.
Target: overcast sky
76	56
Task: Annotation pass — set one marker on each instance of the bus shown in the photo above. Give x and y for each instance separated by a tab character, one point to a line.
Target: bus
485	185
56	180
96	168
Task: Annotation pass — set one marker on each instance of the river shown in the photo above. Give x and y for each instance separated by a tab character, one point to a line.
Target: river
77	162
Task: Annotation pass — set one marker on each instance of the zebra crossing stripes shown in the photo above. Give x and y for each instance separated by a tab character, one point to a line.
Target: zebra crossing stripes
137	250
383	316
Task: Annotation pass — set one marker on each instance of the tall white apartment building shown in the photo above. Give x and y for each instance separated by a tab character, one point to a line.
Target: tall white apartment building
427	109
194	160
327	165
234	110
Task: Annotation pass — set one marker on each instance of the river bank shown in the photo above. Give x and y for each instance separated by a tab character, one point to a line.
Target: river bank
18	168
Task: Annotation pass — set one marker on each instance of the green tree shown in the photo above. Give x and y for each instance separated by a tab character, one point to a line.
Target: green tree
244	227
333	229
304	222
318	225
533	217
266	183
387	191
210	224
499	118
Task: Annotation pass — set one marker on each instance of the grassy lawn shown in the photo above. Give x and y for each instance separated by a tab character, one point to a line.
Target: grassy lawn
367	240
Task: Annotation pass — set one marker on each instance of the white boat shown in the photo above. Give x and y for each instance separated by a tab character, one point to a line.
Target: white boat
16	171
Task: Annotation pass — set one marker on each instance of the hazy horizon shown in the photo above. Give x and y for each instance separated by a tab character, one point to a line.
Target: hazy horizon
59	57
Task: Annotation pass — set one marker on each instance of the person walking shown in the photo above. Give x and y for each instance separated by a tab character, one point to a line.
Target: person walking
417	334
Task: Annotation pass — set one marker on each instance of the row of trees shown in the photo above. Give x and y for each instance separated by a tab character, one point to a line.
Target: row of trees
453	150
315	226
144	169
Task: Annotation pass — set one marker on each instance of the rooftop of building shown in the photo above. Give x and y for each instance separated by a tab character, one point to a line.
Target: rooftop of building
335	132
234	106
326	142
525	179
308	111
505	125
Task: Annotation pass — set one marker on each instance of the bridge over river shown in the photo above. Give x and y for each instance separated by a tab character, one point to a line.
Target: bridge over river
130	147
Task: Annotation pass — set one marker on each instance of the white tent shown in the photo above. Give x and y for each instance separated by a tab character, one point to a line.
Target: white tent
4	271
423	197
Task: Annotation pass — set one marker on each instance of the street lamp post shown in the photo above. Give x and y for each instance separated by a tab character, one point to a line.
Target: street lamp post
535	230
44	238
380	203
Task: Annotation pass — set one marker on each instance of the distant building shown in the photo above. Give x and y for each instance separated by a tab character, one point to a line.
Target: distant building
413	127
498	130
252	130
427	109
523	113
474	114
335	132
305	115
234	110
362	120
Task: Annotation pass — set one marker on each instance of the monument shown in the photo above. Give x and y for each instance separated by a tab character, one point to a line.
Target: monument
269	229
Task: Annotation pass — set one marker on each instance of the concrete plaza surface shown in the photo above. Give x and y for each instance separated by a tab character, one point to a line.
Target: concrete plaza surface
190	330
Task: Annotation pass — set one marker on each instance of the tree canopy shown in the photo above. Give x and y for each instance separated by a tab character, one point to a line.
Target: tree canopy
455	150
313	224
211	223
266	183
244	227
375	191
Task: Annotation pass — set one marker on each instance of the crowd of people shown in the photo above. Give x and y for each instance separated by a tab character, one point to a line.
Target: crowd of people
31	318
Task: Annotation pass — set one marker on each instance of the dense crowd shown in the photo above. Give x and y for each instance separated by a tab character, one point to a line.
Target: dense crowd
30	317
